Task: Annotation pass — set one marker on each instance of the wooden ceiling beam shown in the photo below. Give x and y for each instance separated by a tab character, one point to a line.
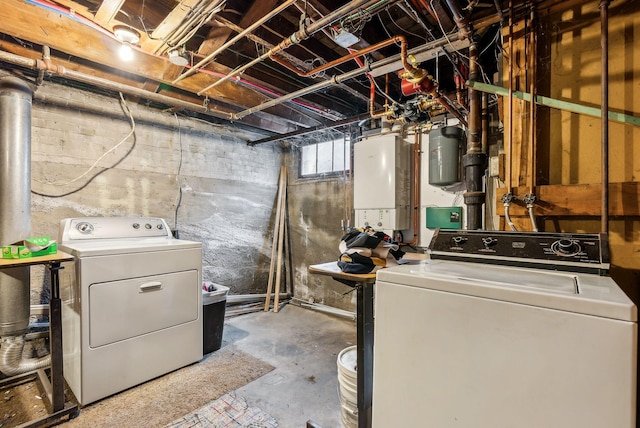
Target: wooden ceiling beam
265	121
156	42
107	11
219	35
44	27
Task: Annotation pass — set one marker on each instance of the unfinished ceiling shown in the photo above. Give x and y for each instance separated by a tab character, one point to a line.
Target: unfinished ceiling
275	66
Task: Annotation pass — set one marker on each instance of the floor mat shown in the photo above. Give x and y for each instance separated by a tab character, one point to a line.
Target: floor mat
229	411
160	401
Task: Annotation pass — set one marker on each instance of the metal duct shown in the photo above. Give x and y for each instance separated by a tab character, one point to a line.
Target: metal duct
12	361
15	199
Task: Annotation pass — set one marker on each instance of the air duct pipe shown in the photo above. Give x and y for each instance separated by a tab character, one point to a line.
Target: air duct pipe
11	359
15	199
15	222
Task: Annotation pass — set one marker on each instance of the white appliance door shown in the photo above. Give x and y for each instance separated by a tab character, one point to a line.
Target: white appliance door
443	360
120	310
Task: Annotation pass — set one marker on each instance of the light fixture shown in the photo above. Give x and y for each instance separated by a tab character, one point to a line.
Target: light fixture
128	36
179	56
344	38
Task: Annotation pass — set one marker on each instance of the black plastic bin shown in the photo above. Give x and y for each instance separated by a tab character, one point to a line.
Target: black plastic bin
213	307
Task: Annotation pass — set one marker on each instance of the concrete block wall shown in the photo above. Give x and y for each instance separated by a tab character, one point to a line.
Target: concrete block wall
316	207
226	189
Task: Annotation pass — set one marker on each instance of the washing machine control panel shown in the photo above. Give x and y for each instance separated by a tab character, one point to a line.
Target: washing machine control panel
559	251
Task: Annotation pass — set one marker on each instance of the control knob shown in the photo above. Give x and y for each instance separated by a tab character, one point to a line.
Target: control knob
488	241
566	247
459	240
84	227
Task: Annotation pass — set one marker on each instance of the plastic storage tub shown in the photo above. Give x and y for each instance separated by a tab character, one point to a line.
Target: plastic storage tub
213	308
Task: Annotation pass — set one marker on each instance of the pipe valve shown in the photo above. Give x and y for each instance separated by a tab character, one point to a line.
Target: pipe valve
507	198
529	199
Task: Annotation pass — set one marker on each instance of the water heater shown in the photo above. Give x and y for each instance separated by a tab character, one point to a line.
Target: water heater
446	147
382	182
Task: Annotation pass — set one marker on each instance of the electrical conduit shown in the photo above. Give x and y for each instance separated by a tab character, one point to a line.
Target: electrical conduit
240	35
295	38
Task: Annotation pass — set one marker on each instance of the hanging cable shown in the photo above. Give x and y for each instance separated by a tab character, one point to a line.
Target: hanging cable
179	202
126	109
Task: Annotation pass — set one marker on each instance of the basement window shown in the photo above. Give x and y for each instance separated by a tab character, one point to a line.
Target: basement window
325	158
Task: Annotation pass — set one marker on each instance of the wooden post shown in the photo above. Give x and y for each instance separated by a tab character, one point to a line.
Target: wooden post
283	203
275	238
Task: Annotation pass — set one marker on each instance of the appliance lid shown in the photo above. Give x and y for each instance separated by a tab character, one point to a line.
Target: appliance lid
126	246
587	294
96	236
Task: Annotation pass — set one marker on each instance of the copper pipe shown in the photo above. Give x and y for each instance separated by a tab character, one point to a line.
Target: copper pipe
293	39
510	100
604	43
413	71
444	102
372	93
473	141
37	64
485	124
377	68
474	160
385	113
532	104
240	35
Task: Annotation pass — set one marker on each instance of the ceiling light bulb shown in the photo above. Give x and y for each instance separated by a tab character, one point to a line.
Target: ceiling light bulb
126	34
125	52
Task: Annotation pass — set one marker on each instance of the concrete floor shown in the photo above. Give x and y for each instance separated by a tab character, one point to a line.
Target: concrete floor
303	346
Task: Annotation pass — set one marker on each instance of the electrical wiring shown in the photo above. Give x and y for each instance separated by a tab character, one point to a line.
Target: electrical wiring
384	94
411	12
133	128
485	78
492	42
398	27
125	107
179	202
82	20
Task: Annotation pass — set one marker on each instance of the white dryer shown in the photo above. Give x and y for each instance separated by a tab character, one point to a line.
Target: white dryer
467	341
132	303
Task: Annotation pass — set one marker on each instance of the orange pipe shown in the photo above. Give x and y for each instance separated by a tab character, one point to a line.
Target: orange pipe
413	71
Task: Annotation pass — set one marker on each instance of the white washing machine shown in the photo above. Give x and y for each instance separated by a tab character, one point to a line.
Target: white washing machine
465	341
132	303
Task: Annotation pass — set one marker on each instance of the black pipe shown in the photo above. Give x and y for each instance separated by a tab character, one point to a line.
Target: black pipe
475	160
461	21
